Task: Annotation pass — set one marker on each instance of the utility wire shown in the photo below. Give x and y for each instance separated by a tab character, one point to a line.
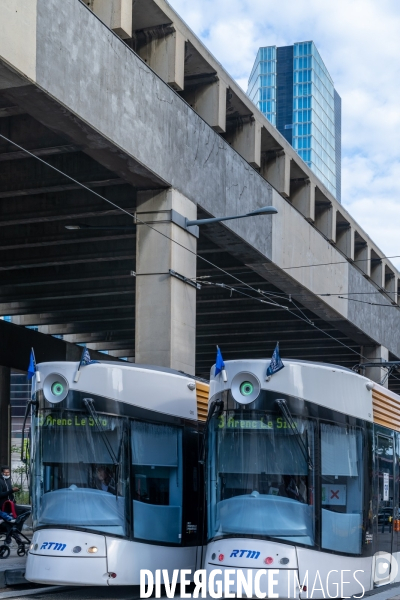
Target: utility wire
304	318
135	218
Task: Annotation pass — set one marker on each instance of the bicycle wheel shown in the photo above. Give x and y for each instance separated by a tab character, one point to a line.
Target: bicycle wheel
21	551
4	552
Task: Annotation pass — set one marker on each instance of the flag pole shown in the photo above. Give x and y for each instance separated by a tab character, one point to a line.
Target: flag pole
37	372
78	373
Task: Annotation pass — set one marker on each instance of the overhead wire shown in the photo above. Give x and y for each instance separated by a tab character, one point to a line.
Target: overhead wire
270	301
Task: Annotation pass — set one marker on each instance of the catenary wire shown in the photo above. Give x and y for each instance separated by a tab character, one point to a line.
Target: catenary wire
303	318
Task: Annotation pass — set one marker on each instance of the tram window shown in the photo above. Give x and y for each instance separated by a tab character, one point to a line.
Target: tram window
341	488
157	477
77	479
259	482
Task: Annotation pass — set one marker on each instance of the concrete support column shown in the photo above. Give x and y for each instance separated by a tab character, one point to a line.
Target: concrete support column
165	328
362	258
5	416
375	354
246	140
325	221
345	241
116	14
166	56
303	198
276	170
209	101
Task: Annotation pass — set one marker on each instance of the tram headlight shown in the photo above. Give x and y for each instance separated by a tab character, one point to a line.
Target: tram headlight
55	388
92	550
245	388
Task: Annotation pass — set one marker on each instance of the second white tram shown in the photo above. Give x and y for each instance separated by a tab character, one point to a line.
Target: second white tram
302	477
115	484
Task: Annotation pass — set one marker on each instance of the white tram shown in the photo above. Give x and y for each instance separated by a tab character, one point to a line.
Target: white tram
303	477
115	484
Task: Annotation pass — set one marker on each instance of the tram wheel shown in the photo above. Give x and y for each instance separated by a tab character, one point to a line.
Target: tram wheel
4	552
21	551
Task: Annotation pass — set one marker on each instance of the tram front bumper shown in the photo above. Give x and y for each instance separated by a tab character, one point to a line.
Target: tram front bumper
270	567
63	557
53	570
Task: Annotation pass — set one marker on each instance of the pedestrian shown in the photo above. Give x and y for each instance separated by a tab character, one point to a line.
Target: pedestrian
6	488
7	491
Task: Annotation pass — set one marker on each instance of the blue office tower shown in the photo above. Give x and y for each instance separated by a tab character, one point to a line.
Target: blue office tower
294	90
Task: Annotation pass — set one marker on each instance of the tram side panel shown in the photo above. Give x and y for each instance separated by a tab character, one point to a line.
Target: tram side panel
331	471
108	468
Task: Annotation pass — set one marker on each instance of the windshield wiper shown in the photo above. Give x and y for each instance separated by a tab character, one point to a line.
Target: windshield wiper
215	405
288	416
88	402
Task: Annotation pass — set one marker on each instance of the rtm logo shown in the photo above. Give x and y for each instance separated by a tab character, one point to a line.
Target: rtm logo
56	546
241	553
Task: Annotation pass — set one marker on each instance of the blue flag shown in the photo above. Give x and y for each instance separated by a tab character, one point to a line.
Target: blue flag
276	363
219	363
32	365
85	359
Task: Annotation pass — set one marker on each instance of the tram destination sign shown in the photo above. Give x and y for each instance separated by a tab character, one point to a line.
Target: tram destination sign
261	423
76	420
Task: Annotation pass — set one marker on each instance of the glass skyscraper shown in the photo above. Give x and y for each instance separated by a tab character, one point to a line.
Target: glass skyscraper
294	90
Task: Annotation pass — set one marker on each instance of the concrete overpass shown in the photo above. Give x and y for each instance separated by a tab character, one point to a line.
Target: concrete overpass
121	96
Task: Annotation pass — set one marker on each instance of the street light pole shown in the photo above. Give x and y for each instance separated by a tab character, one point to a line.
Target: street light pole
265	210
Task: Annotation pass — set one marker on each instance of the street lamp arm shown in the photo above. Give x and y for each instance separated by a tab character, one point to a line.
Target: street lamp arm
266	210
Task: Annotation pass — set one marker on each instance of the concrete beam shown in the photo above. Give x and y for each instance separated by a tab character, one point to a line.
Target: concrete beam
67	206
244	135
209	101
165	306
377	270
5	416
16	344
325	221
118	324
166	56
345	240
79	253
26	307
116	14
362	255
390	283
302	196
50	151
275	168
114	309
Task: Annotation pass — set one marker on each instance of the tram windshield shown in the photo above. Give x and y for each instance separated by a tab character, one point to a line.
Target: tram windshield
259	482
80	471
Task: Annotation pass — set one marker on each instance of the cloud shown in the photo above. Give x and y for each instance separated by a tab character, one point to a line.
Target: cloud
359	42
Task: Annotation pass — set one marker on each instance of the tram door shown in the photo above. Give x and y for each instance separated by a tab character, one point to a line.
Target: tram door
385	501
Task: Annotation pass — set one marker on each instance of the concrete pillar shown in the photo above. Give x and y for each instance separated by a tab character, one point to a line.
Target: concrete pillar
325	221
303	198
377	270
390	283
116	14
166	56
345	241
362	258
375	354
165	328
5	416
209	101
246	140
276	170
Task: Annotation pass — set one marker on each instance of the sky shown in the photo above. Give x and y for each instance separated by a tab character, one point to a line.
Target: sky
359	41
